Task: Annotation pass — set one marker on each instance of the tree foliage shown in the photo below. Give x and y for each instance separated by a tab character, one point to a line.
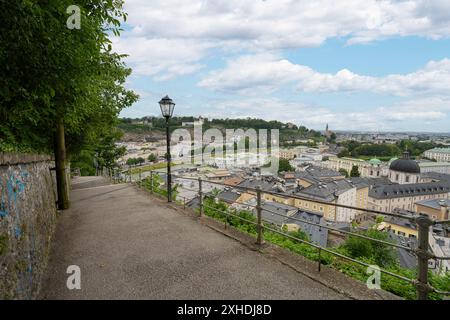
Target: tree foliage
354	172
152	157
381	254
284	166
50	72
358	149
344	172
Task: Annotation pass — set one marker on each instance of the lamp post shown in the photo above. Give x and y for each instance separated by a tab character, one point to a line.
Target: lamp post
167	105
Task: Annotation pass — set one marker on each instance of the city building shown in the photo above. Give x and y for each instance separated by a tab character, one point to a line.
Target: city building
315	233
438	154
299	152
437	209
404	171
370	169
198	122
276	213
387	197
329	193
399	226
328	132
440	246
430	166
362	198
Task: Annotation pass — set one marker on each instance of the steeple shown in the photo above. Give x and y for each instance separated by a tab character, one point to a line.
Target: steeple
406	154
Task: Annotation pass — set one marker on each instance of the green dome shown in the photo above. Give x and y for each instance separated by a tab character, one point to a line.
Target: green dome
375	162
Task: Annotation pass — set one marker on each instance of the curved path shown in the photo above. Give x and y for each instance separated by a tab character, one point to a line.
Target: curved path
130	246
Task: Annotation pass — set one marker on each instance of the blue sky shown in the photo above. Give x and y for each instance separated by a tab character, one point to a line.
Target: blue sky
365	65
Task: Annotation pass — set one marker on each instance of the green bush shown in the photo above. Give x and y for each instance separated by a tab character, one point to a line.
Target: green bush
363	250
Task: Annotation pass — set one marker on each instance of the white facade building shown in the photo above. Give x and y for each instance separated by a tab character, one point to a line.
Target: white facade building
440	167
438	154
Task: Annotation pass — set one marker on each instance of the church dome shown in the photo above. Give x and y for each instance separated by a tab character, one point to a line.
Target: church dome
375	162
392	160
405	164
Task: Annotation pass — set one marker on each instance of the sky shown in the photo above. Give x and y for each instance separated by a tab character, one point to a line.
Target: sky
354	64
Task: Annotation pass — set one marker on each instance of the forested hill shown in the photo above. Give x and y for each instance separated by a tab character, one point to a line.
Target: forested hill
155	126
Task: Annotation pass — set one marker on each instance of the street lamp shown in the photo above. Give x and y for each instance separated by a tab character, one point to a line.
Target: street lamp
167	105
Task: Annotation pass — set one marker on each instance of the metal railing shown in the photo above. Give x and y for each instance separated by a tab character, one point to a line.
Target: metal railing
424	223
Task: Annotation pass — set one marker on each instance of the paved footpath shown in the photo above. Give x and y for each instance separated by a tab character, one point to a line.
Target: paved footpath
130	246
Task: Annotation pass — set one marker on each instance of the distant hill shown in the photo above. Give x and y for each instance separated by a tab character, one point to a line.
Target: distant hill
151	128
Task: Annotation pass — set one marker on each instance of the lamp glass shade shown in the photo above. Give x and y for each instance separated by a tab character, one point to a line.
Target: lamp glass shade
167	106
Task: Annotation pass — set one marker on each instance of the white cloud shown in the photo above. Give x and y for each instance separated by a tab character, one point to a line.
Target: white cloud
434	78
420	109
170	38
173	38
163	59
253	74
260	72
399	116
275	24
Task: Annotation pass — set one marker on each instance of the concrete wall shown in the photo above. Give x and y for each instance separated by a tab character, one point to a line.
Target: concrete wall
27	222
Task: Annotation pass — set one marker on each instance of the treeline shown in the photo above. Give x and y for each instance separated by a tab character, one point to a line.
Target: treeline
287	132
357	149
249	123
154	122
61	88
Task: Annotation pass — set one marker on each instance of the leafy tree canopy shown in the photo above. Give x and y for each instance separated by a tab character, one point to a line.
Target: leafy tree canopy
51	72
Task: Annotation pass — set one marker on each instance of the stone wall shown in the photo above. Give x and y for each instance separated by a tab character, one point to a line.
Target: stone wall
27	222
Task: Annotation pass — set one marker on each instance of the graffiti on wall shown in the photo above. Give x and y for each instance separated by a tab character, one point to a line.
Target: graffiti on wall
12	187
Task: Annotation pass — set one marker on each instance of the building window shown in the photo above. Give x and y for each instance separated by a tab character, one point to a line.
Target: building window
407	178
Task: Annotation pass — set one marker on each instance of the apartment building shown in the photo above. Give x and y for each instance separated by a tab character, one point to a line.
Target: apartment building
438	154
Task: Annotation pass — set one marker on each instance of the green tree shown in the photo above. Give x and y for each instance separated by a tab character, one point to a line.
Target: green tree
131	161
60	90
354	172
332	138
140	160
284	166
379	219
344	172
152	157
379	253
101	153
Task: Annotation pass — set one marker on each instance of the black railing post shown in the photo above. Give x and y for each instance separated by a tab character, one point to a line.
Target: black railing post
423	255
200	195
169	158
151	181
259	239
320	259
